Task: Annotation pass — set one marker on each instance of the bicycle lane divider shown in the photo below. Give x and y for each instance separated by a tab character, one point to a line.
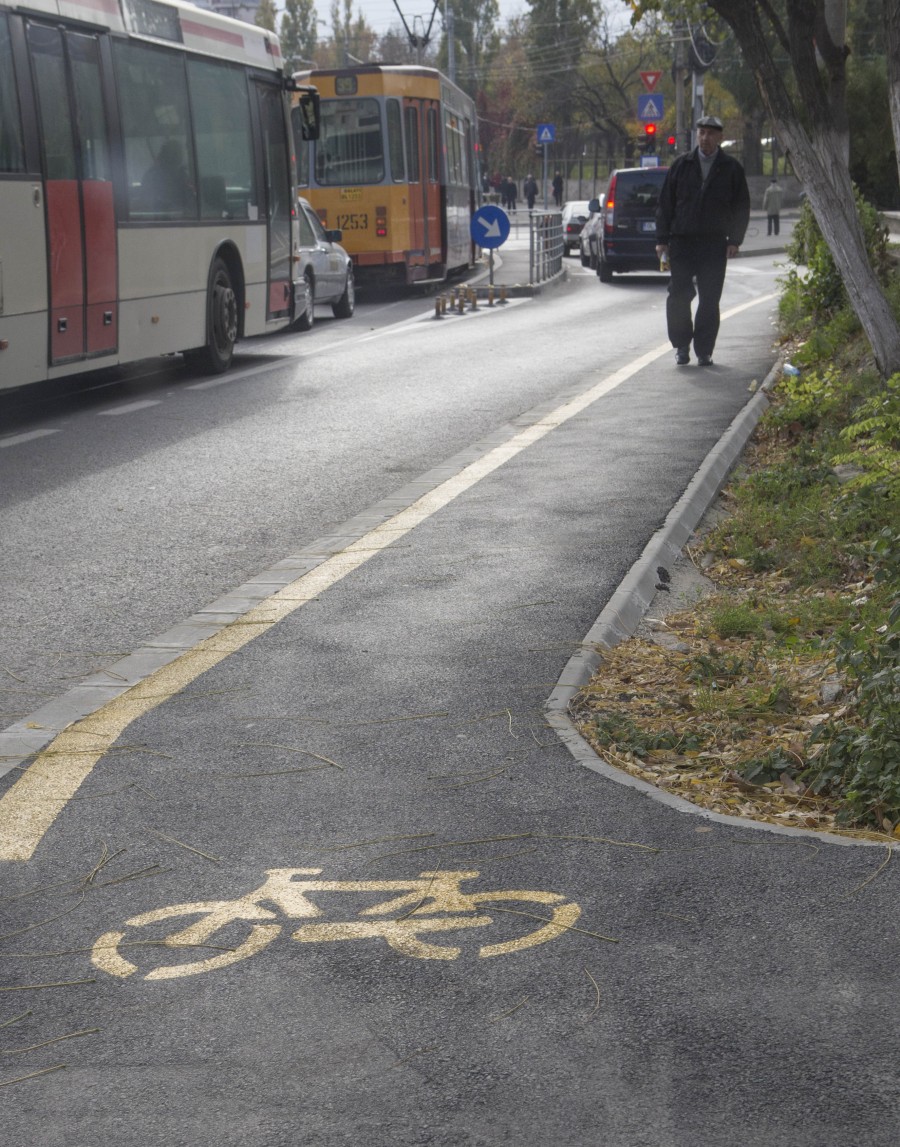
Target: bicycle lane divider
31	805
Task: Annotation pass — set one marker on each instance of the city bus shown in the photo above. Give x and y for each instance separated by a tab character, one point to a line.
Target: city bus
394	169
147	185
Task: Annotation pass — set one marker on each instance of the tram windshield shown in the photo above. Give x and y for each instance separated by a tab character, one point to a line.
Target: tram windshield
351	143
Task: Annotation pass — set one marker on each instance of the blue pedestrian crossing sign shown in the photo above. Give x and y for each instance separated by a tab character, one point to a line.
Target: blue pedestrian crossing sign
546	133
651	106
490	226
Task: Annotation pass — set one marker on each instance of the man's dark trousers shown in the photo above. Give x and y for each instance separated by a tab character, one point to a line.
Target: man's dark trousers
701	259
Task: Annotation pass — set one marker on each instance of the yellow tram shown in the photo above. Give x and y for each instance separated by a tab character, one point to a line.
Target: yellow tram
394	169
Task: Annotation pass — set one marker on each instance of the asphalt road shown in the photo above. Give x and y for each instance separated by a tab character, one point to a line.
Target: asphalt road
446	508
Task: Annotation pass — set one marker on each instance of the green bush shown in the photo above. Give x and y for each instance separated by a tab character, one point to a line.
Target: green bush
820	293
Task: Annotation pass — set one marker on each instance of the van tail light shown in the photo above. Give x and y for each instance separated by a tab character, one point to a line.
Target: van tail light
609	205
381	222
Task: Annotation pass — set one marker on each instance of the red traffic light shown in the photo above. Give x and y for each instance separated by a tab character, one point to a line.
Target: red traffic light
671	141
649	129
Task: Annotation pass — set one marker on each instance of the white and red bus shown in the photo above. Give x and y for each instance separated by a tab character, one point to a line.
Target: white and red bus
146	185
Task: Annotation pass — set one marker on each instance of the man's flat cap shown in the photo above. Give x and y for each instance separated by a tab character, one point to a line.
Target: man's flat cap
710	121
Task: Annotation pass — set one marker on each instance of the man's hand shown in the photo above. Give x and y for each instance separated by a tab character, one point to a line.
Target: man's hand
732	251
663	249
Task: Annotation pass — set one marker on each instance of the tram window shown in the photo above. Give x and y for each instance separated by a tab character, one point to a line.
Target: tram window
92	134
12	151
350	148
153	97
433	145
395	142
221	106
412	142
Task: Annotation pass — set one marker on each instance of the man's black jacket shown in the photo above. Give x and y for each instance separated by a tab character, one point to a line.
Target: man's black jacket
718	208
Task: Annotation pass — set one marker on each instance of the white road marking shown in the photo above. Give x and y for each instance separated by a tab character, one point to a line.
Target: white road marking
26	436
129	407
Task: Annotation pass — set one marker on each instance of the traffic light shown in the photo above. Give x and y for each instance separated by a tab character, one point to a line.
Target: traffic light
649	136
671	141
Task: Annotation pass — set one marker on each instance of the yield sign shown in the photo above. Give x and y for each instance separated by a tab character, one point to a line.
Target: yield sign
651	79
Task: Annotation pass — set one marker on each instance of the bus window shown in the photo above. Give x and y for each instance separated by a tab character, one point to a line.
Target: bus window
156	129
221	106
395	142
91	118
350	147
12	151
55	105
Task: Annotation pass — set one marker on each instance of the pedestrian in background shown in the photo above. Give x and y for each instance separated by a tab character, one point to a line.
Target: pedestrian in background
530	190
512	193
558	189
772	206
704	209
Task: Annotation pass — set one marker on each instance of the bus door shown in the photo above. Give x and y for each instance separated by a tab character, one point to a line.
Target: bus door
276	167
78	188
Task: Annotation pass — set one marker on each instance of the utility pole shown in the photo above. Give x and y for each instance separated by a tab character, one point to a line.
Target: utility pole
449	18
682	136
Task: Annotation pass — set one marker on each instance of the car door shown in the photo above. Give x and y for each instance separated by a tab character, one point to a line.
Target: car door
327	261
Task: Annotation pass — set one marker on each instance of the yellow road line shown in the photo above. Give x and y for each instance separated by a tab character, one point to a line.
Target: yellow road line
32	804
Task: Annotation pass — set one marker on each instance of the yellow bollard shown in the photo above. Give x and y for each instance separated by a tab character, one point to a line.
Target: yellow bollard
443	305
474	299
490	296
461	303
437	307
503	294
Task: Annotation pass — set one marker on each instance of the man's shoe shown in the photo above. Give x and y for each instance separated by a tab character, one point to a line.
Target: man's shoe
704	360
682	356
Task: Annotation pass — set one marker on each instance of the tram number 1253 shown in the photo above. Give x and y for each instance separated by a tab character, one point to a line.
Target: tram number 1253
354	222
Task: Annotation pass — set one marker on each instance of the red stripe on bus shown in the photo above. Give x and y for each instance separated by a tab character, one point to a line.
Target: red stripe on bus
101	318
110	6
207	32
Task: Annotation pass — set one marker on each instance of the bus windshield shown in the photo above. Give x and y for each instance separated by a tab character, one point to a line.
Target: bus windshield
351	143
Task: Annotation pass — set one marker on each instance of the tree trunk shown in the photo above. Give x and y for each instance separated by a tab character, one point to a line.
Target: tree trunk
892	41
816	150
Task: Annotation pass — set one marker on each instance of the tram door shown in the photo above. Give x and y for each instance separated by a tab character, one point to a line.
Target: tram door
80	208
423	166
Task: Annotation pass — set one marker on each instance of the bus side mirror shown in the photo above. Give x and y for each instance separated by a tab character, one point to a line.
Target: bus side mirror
306	115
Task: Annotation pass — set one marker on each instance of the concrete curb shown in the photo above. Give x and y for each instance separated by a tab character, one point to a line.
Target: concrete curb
621	616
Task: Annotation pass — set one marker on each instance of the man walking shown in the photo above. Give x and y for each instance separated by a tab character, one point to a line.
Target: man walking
772	206
704	209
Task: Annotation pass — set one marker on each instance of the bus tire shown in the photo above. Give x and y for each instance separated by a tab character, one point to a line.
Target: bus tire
346	304
221	323
306	320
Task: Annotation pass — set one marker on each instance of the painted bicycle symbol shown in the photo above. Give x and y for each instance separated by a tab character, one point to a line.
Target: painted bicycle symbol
410	920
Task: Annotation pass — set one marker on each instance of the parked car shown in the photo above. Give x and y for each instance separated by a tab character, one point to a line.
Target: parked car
574	216
325	270
628	228
589	239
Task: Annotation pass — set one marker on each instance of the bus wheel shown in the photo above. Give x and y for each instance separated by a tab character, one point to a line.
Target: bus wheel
306	320
221	323
346	304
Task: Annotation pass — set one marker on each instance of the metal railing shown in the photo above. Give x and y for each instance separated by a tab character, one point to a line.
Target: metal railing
545	245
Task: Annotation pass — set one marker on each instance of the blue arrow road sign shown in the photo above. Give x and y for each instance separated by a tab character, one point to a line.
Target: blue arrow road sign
546	133
651	106
489	226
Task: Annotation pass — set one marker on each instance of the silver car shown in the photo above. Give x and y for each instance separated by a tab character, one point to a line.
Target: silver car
589	239
325	270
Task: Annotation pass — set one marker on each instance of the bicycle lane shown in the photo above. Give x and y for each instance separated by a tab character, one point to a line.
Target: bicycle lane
392	729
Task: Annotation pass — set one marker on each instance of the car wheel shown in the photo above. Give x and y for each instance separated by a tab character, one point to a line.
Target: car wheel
604	271
308	317
585	259
346	304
